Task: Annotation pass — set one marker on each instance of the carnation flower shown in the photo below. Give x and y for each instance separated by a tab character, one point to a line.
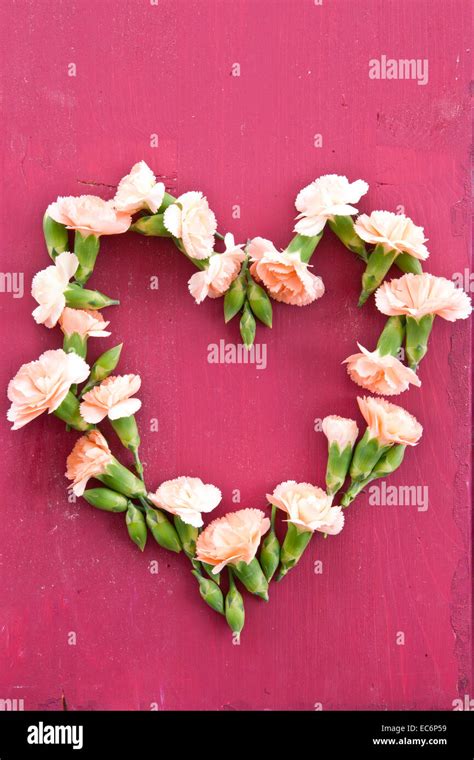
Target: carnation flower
284	275
191	220
325	198
382	374
112	399
187	498
42	385
222	270
139	190
232	539
89	215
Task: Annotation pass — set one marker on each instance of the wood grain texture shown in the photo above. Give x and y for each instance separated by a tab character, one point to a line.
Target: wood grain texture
144	639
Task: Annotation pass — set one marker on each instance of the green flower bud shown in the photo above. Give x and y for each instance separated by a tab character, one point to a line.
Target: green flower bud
408	263
118	478
104	498
55	235
136	526
210	592
388	463
86	250
75	343
152	226
248	326
187	535
234	298
68	411
391	337
337	467
259	302
294	544
127	430
270	554
304	245
366	455
418	333
80	298
103	367
234	606
162	530
343	228
251	576
377	267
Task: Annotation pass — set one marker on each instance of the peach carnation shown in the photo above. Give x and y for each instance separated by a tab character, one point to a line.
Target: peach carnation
232	539
308	507
42	385
382	374
191	220
326	197
187	498
89	215
48	288
395	232
340	430
88	459
416	295
112	399
222	270
285	276
139	190
389	423
83	322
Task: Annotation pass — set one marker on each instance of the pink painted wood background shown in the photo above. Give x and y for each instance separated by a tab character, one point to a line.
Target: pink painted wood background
143	639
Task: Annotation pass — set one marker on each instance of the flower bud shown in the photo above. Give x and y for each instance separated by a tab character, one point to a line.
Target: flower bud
75	343
118	478
388	463
251	576
187	535
377	267
136	526
270	554
55	235
408	263
68	411
81	298
106	499
391	337
162	530
234	606
247	326
151	226
127	430
259	302
366	455
418	333
210	592
294	544
234	298
343	228
86	250
103	367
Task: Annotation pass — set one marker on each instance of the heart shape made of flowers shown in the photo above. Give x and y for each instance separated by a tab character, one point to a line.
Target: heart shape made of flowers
247	276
